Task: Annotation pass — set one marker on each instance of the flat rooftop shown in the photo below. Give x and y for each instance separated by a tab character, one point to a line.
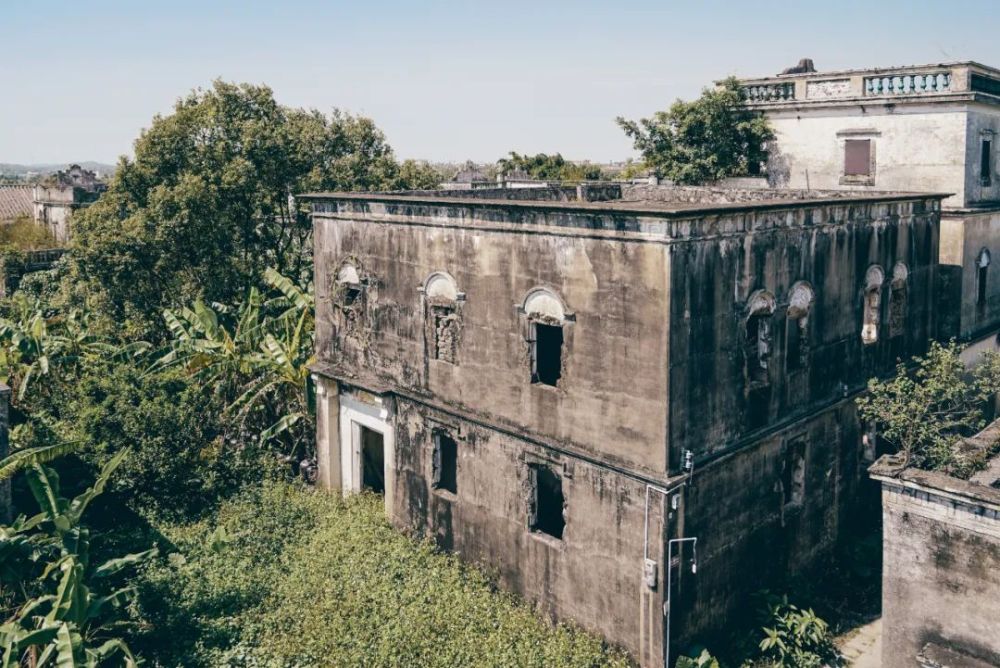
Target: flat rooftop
659	201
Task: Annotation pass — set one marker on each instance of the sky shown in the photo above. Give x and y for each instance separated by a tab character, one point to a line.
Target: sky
445	81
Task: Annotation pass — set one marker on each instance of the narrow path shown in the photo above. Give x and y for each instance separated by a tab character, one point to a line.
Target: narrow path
862	647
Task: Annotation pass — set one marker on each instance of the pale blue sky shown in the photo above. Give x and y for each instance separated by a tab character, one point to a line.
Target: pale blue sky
444	80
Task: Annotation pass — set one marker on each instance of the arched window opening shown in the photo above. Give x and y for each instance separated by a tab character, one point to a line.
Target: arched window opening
872	304
348	284
982	272
442	297
757	343
546	318
799	305
897	300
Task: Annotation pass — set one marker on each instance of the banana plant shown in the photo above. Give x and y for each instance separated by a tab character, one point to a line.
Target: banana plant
255	356
64	627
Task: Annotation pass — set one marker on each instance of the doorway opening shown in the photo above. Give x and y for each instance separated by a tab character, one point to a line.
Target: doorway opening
372	461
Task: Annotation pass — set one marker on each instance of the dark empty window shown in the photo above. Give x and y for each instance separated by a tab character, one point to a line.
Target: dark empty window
986	161
445	463
547	507
857	157
758	346
897	310
351	293
372	461
793	473
547	354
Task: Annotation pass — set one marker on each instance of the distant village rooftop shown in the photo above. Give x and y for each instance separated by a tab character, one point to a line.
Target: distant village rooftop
803	85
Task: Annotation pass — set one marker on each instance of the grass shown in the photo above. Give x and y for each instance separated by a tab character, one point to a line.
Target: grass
285	576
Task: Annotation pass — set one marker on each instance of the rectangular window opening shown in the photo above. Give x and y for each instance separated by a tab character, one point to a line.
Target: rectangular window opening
547	354
445	463
548	515
793	473
372	461
857	157
986	162
981	287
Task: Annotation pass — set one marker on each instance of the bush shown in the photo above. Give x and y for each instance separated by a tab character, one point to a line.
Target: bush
796	638
290	577
179	465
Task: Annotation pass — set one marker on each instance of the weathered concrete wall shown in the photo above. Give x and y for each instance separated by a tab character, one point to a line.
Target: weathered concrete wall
611	398
941	566
722	194
918	148
963	236
983	122
592	576
749	538
714	405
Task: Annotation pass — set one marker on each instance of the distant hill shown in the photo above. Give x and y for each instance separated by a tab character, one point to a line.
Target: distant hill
11	169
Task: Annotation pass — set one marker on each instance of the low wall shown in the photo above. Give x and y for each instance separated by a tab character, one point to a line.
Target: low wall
941	565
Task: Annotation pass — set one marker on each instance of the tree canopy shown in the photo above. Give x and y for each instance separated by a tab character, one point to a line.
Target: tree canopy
206	203
547	167
708	139
924	411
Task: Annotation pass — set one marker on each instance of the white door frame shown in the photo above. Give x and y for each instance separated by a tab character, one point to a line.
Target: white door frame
353	416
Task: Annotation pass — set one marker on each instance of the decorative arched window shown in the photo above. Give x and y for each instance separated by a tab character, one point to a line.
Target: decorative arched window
982	271
897	300
547	316
757	344
442	316
874	278
800	303
349	285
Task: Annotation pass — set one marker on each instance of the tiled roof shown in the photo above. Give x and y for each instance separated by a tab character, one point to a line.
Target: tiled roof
14	201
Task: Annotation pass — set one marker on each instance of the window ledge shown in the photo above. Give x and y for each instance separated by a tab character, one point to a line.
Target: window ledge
546	539
445	494
857	180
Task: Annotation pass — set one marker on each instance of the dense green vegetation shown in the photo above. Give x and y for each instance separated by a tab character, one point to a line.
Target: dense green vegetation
545	167
931	404
711	138
283	576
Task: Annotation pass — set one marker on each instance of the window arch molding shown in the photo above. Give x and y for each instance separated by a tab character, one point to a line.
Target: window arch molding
800	300
545	321
442	311
544	304
757	336
441	286
872	304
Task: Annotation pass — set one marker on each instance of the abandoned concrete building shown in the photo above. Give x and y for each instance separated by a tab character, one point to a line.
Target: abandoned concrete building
634	402
918	128
941	565
55	200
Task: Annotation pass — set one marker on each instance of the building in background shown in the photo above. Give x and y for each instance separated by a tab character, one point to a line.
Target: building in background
57	197
573	385
932	128
15	202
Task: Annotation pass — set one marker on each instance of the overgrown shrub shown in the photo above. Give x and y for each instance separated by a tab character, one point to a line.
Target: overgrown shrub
290	577
180	464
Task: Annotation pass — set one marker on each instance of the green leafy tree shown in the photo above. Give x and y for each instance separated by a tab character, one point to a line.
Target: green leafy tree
67	623
711	138
253	357
547	167
207	203
923	411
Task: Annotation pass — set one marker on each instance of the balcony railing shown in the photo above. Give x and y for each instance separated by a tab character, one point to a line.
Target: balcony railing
908	84
769	92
